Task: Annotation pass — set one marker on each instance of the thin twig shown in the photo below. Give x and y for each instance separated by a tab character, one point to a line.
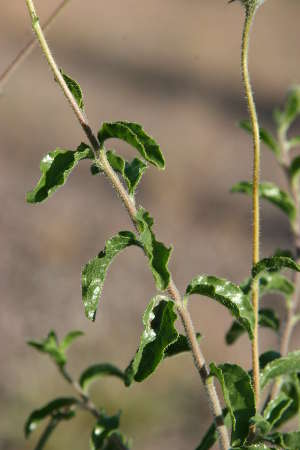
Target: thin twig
25	52
250	12
130	206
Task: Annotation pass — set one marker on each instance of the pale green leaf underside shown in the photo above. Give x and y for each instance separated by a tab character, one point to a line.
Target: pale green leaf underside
135	135
270	283
159	333
274	264
282	366
228	294
94	272
239	398
272	193
56	167
97	371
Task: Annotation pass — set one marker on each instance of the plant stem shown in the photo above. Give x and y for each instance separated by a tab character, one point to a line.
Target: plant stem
250	12
130	206
25	52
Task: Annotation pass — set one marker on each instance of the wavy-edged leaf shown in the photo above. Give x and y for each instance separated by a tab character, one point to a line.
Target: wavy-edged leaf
239	398
294	170
50	345
96	371
56	167
288	441
56	407
282	366
158	254
267	319
274	264
276	408
212	435
69	339
265	136
270	283
135	135
94	272
272	193
132	172
181	345
159	332
228	294
75	89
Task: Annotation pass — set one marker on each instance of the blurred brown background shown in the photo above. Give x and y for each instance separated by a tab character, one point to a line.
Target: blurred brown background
172	65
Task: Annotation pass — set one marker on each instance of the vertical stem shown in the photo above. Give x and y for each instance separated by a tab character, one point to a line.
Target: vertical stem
128	202
250	12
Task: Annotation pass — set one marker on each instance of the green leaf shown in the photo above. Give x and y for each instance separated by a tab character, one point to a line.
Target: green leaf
212	435
274	264
294	142
239	398
291	389
158	254
103	428
282	366
47	433
292	106
98	371
270	283
69	339
131	172
116	441
276	408
75	89
294	170
181	345
135	135
94	272
59	406
56	167
228	294
253	447
50	346
267	318
267	357
159	332
262	426
288	441
272	193
265	136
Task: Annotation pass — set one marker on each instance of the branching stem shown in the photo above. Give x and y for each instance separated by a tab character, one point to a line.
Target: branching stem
256	171
130	206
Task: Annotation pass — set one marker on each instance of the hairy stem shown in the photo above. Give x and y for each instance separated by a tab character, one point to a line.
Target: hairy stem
130	206
25	52
255	197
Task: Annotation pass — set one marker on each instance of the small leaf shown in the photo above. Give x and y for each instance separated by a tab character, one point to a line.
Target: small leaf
75	89
50	346
69	338
212	435
94	272
239	398
292	106
262	426
158	254
58	406
265	136
272	193
294	170
131	172
133	134
267	318
159	332
97	371
274	264
276	408
181	345
228	294
56	167
282	366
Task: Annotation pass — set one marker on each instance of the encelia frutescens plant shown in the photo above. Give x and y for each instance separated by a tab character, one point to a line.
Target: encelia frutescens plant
244	423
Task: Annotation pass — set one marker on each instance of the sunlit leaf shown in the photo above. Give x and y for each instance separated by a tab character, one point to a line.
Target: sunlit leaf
270	283
56	167
239	398
50	345
159	332
94	272
276	408
75	89
135	135
228	294
282	366
274	264
96	371
272	193
181	345
69	339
